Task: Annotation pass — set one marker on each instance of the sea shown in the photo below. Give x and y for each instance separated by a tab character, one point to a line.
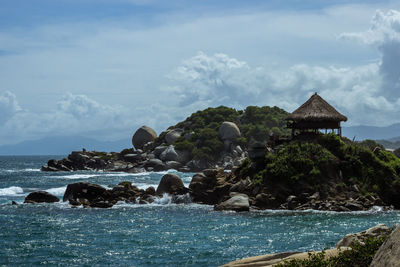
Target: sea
158	234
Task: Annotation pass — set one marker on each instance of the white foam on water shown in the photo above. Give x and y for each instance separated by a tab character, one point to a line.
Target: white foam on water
144	186
31	170
11	191
117	174
58	191
78	176
164	200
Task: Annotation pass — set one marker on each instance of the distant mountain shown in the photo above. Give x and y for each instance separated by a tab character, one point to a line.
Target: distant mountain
362	132
63	145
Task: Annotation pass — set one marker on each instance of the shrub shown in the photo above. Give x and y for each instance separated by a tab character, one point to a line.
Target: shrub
359	255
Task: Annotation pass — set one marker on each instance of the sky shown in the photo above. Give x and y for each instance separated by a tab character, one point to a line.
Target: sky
103	68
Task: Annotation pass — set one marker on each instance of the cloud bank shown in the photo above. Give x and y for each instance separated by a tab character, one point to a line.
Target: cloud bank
149	92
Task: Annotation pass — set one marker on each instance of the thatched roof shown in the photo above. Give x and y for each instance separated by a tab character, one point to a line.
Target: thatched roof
316	109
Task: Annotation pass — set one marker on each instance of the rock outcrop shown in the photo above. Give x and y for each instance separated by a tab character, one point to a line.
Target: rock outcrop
171	184
389	258
388	253
376	231
142	136
238	202
40	197
270	260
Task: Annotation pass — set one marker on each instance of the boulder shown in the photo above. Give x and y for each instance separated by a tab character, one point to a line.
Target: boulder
228	131
173	135
41	196
155	164
84	190
158	150
142	136
376	231
173	165
238	202
172	184
388	253
169	154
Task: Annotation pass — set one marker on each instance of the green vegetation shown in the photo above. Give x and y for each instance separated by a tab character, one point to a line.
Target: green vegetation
201	129
359	255
320	165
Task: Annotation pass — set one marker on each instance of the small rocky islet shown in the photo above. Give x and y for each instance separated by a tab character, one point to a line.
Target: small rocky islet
239	167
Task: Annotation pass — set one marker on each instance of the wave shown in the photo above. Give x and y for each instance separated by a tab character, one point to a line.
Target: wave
11	191
57	191
78	176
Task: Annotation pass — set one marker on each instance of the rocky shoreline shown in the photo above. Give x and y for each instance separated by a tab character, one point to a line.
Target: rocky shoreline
224	190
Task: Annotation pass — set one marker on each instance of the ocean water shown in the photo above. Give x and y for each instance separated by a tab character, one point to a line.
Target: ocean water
159	234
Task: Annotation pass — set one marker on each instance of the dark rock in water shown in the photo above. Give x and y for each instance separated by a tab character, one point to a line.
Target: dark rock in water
171	184
101	204
41	196
151	191
14	203
84	190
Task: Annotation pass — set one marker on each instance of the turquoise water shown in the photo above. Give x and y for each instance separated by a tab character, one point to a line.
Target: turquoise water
160	234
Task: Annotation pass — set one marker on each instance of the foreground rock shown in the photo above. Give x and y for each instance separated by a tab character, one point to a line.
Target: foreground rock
279	258
379	230
273	259
40	197
389	253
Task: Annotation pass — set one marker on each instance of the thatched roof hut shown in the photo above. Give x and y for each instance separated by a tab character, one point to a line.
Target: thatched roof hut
315	114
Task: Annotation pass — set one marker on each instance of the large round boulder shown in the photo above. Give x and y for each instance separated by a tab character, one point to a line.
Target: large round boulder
228	131
142	136
41	196
172	184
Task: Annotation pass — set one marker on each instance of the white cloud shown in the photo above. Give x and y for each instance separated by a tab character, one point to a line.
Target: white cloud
385	34
74	115
205	80
8	106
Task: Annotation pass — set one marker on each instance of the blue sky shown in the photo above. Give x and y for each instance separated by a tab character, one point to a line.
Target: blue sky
103	68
